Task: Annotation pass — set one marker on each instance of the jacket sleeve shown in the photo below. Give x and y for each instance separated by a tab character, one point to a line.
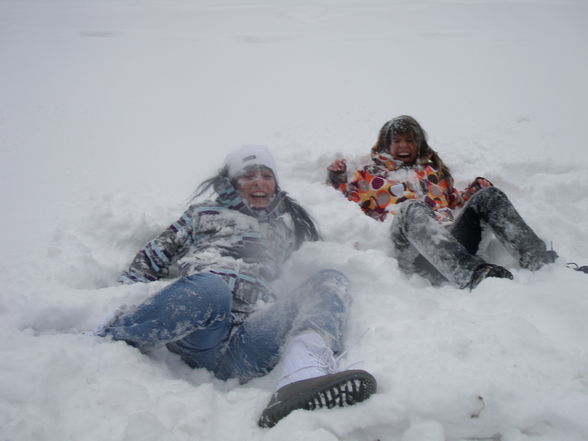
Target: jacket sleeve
154	259
455	198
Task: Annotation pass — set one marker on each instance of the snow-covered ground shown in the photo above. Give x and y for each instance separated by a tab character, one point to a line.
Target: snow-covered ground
112	111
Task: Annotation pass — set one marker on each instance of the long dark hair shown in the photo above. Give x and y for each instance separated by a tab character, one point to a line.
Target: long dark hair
305	228
209	183
405	124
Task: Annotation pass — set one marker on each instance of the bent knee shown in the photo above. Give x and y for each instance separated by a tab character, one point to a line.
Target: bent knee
210	288
489	193
411	212
334	288
332	275
415	207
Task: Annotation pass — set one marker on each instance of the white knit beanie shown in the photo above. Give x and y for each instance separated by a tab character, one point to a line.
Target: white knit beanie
238	160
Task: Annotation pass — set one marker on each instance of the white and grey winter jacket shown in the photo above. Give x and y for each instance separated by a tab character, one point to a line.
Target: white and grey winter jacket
246	247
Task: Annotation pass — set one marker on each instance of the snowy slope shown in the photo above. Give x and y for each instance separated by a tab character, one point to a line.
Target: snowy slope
112	112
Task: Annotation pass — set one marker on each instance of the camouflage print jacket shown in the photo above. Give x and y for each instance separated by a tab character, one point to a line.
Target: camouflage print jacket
245	247
380	186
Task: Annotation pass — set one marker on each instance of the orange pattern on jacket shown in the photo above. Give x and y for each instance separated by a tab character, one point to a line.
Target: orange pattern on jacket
378	187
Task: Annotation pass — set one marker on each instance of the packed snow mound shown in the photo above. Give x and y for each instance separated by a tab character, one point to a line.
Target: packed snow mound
507	361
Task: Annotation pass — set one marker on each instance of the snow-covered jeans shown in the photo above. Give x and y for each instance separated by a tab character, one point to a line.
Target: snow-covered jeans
424	246
193	318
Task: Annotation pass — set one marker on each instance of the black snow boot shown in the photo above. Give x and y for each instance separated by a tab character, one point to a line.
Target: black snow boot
487	270
577	267
340	389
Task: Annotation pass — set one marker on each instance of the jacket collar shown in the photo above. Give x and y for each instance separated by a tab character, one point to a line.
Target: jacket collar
385	160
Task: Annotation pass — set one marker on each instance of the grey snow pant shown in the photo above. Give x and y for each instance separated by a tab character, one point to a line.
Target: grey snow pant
422	245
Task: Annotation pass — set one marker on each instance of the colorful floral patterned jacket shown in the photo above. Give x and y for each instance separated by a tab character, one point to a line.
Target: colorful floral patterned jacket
378	187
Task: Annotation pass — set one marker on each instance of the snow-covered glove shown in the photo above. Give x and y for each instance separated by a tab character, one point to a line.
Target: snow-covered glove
476	185
337	172
480	182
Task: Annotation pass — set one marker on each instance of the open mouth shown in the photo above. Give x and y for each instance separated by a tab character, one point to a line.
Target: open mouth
259	195
258	199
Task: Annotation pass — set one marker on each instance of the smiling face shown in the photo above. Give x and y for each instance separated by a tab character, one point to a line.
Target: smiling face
403	148
257	186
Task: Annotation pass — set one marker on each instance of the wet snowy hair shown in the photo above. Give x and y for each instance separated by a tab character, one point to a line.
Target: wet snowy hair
305	228
402	124
405	124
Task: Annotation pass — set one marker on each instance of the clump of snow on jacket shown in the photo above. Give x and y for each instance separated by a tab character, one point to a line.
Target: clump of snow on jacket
245	246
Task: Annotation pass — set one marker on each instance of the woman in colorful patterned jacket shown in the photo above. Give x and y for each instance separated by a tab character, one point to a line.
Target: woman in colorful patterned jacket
221	313
436	229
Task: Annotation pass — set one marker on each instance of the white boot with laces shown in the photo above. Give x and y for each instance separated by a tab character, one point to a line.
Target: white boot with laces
310	380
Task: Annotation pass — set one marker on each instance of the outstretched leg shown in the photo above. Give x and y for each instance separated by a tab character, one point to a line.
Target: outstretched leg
492	207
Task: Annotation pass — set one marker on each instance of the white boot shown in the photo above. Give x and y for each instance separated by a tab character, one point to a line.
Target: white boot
306	356
310	381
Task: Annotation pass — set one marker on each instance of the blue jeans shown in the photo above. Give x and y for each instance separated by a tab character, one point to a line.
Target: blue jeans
192	317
